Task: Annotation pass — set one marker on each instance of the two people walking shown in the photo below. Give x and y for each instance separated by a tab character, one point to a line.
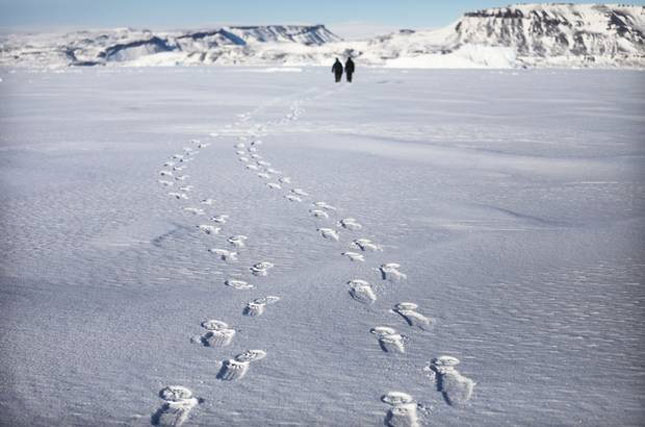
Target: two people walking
337	69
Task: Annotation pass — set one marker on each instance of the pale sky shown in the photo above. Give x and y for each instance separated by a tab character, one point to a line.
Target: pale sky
348	18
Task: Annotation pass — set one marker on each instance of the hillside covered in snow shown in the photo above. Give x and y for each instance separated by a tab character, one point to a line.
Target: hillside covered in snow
531	35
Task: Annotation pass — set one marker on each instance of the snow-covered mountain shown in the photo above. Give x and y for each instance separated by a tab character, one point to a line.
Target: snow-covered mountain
534	35
136	47
561	33
526	35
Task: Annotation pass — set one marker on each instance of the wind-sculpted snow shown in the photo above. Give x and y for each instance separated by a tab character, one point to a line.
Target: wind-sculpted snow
490	218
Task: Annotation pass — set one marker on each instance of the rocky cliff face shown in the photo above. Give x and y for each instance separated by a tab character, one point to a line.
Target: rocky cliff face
530	35
543	33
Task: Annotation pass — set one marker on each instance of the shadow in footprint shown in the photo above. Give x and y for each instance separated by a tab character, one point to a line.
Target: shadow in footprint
176	230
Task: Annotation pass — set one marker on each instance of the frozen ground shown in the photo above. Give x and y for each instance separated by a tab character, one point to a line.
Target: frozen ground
513	202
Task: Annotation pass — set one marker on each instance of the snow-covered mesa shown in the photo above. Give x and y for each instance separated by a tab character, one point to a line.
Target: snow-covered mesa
528	35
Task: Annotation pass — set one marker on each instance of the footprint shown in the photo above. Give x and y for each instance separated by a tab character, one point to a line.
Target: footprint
223	339
255	156
403	412
219	334
285	180
169	164
178	168
252	167
366	245
300	192
209	202
350	224
257	142
354	256
235	369
319	213
293	198
240	145
361	291
408	311
395	398
263	163
178	156
252	149
179	196
254	309
166	183
389	340
391	272
237	241
274	186
179	401
456	388
240	152
187	188
194	211
165	173
243	159
224	255
324	205
264	175
329	233
182	177
442	364
209	229
220	219
274	171
203	145
238	284
257	306
251	356
261	268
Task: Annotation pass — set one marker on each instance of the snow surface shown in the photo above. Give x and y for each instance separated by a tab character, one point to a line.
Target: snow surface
505	206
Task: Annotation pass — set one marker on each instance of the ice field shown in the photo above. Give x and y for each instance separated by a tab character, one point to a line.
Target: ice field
140	204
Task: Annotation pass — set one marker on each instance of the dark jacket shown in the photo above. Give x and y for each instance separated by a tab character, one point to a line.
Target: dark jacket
349	66
337	68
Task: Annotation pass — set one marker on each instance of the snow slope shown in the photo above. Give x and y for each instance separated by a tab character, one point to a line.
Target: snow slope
512	201
531	35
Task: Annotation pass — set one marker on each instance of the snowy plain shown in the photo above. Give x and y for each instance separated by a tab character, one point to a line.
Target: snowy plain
513	201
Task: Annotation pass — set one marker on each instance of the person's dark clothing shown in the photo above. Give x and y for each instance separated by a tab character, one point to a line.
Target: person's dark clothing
349	69
337	69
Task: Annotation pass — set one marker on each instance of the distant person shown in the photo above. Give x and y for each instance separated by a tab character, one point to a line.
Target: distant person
349	69
337	69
